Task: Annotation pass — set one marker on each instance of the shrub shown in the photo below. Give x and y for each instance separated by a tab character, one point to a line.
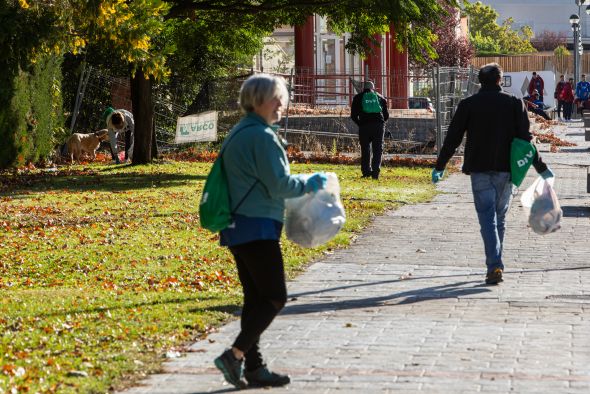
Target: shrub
30	113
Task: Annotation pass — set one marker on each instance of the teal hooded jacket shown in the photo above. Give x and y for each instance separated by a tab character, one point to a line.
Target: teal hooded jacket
256	153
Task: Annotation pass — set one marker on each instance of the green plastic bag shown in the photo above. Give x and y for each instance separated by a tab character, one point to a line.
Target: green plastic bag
370	103
521	157
214	209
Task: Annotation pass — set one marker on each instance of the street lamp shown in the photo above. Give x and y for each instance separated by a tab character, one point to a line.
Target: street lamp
575	22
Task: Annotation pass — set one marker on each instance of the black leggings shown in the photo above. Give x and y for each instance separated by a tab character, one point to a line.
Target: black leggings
261	271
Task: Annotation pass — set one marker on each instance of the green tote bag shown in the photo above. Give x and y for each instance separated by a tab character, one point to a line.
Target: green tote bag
521	157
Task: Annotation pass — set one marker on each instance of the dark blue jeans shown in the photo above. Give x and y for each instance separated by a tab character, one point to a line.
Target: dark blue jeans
492	194
371	139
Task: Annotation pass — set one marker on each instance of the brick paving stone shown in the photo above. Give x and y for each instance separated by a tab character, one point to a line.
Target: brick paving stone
404	309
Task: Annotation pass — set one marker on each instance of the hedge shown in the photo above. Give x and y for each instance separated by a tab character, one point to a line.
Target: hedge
31	115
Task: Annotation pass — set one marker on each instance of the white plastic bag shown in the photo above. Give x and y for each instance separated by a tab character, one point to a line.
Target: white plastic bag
315	218
542	206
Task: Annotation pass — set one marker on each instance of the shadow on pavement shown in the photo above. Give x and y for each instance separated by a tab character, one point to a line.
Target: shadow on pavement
413	278
452	290
383	282
226	390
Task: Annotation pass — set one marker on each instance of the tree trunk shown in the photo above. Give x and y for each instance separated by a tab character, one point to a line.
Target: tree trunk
143	115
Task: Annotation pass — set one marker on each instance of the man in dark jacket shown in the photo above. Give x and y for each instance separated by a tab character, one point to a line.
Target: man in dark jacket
369	112
492	119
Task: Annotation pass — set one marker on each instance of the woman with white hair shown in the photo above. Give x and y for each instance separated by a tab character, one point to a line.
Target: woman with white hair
259	181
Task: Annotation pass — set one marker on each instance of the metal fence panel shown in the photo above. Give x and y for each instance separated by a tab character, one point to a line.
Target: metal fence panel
319	105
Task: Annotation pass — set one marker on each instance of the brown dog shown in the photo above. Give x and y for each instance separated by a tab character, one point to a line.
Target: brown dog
85	143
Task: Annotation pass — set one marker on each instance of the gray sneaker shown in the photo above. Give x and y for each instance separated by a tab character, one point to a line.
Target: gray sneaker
262	377
232	369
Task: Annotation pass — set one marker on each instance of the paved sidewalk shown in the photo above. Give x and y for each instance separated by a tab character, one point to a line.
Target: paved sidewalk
405	309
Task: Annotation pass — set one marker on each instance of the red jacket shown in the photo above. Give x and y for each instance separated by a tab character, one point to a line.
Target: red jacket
567	93
533	85
558	89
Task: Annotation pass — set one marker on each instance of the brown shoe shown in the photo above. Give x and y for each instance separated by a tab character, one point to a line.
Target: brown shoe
494	277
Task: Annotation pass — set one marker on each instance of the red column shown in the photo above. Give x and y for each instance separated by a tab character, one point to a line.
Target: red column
398	71
304	61
374	62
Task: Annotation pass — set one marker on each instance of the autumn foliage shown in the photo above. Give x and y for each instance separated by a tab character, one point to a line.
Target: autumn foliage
104	269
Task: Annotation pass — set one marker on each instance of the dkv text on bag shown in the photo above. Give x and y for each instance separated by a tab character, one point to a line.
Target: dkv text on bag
315	218
522	154
370	103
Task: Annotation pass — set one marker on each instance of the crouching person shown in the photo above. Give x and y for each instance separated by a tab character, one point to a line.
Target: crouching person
120	121
259	177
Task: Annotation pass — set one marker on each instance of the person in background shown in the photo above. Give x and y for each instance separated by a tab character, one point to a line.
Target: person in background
120	121
556	95
582	92
369	112
566	95
535	105
259	181
491	119
538	84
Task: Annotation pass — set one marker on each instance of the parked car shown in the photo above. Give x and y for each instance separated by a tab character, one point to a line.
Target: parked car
420	103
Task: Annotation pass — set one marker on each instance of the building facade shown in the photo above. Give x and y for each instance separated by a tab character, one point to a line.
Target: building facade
325	72
541	15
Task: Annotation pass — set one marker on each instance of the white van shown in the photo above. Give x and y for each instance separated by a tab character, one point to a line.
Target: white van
517	83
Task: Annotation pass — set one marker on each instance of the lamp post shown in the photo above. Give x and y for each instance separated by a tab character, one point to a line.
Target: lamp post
580	43
575	22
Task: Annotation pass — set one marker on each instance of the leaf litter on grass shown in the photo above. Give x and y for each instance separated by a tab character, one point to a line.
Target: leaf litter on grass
104	269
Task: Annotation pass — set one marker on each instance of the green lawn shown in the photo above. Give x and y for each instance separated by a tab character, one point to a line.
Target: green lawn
104	268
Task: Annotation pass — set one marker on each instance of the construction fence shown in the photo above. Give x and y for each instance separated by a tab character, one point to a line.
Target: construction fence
98	90
318	115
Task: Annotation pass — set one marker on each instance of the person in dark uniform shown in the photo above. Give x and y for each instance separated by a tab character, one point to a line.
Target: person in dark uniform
369	112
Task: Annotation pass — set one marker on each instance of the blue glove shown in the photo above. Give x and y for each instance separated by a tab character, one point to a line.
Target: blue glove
547	173
437	175
315	182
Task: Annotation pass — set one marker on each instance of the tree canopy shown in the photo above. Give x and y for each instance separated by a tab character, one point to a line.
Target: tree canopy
490	38
134	29
413	19
451	49
158	39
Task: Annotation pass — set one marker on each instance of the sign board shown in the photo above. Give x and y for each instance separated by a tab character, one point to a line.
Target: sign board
197	128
